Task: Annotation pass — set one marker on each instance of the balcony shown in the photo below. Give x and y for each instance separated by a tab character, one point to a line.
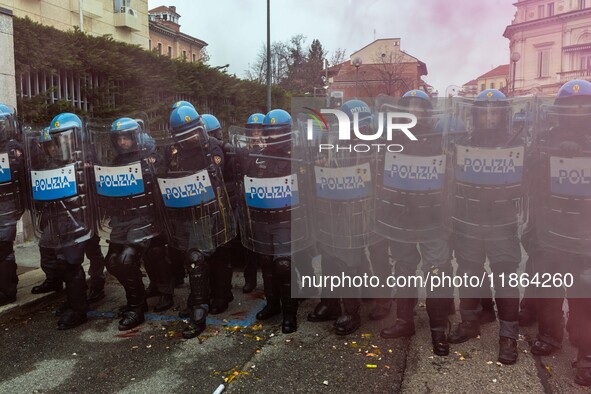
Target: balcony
128	18
566	76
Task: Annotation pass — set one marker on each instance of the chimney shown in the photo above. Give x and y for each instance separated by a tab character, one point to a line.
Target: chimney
172	8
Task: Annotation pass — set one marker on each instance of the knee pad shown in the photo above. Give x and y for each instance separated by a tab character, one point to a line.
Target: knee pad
194	258
127	255
282	268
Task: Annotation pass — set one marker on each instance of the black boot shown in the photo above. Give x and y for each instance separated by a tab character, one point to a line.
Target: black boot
464	331
349	321
74	277
197	321
199	296
8	276
4	299
381	309
541	348
46	287
132	317
95	295
165	302
250	273
272	290
507	350
438	311
289	308
401	328
327	309
221	284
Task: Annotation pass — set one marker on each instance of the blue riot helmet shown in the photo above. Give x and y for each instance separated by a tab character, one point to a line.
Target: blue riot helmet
187	127
352	107
491	112
254	124
419	104
125	135
182	104
8	126
277	130
212	126
60	139
572	106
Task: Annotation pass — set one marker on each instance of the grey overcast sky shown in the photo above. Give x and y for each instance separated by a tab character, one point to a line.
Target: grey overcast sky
457	39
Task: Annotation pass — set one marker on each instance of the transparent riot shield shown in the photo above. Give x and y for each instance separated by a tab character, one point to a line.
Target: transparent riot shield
194	202
343	202
59	185
12	175
122	167
410	182
561	184
272	192
485	159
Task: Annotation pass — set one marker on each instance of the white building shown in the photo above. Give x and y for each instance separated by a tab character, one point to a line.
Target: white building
553	40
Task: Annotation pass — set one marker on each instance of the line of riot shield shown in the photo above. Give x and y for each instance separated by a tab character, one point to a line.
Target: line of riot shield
123	159
12	174
59	185
343	202
195	205
562	181
410	184
485	164
272	192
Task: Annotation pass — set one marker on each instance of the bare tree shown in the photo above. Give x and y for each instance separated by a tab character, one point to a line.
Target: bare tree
337	57
279	64
389	71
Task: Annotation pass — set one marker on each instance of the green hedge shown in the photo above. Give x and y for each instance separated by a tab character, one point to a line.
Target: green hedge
136	77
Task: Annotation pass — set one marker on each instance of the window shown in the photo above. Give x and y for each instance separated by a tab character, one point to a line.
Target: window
482	87
581	4
550	9
184	55
150	44
160	48
586	61
492	85
543	64
169	51
540	11
194	58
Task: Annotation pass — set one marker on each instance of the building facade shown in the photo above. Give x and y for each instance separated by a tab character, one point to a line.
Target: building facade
378	69
497	78
124	20
167	39
553	41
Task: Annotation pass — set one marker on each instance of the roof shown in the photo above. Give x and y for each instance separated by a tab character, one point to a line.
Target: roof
163	29
374	41
373	72
499	71
470	83
162	8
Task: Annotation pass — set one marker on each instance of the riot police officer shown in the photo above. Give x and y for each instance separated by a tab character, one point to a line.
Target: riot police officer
60	207
197	212
12	167
343	220
484	203
558	238
272	215
254	124
124	162
409	212
221	266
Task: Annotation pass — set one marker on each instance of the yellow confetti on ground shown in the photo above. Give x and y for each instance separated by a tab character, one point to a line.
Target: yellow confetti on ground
371	366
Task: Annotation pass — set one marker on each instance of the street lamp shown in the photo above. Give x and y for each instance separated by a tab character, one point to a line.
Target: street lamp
357	62
515	56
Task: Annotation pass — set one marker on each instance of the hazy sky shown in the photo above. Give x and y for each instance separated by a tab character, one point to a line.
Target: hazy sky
457	39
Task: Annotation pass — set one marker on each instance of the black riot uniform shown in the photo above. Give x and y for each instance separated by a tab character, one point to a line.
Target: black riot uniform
272	210
60	207
124	170
557	237
409	213
197	213
484	215
12	204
